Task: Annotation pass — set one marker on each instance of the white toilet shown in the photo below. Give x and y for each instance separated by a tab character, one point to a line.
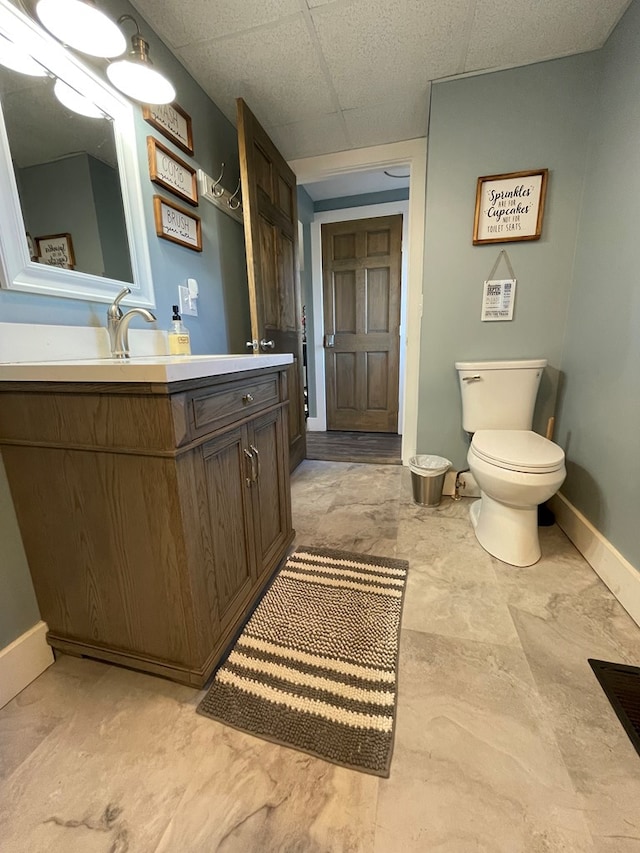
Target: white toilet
515	468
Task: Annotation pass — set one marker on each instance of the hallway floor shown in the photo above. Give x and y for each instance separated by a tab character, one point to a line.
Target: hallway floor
505	742
371	447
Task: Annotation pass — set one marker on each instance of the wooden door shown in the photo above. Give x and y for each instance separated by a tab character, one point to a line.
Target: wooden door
361	268
271	233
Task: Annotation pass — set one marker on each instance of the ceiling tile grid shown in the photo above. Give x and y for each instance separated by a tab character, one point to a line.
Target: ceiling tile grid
380	49
537	31
389	121
328	75
311	137
275	69
204	20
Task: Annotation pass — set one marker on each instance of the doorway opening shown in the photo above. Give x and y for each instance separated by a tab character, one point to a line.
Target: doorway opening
410	157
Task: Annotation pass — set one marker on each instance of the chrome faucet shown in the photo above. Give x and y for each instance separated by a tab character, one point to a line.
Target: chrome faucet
114	315
118	324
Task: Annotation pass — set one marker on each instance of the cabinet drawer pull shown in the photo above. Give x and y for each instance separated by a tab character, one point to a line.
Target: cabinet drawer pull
247	398
254	450
251	479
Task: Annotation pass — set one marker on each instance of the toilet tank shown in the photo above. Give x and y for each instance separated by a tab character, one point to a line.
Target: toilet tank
499	394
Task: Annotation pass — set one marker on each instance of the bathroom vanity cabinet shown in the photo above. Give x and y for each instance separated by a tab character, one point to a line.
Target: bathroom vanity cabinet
153	514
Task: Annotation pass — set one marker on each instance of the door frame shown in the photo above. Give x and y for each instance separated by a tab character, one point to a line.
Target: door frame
411	153
319	423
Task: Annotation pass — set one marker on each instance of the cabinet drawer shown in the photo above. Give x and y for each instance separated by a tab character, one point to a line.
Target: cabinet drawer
217	407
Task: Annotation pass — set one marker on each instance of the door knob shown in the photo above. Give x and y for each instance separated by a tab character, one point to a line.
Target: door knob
253	344
329	341
265	344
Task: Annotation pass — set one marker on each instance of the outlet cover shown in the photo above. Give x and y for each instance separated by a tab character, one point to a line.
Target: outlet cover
188	305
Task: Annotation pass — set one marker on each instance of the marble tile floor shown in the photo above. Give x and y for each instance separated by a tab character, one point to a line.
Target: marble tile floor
505	742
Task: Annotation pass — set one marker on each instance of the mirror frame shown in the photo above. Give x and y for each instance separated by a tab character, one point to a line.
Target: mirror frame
17	270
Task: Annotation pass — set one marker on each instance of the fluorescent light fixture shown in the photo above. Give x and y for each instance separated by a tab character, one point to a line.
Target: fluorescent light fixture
17	59
75	101
80	25
136	77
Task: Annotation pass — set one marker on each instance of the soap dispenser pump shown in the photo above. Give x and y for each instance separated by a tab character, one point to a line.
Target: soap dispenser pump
179	341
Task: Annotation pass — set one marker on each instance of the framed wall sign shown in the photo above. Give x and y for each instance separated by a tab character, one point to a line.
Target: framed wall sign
173	122
169	171
177	224
56	250
510	207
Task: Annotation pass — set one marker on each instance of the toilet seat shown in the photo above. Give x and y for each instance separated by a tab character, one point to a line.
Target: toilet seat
517	450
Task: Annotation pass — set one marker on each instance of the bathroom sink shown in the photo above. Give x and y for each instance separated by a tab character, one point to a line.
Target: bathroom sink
167	368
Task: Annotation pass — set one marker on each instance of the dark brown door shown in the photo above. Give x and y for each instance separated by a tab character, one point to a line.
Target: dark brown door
271	232
361	269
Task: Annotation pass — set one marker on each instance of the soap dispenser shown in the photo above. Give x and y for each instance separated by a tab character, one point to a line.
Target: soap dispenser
179	342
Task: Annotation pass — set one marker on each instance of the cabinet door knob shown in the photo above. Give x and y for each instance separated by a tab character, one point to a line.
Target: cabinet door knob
247	398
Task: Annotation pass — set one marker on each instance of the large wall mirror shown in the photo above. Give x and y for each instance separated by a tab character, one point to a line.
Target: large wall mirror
71	212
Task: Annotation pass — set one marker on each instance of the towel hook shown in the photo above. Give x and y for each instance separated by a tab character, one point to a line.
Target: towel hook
217	189
231	198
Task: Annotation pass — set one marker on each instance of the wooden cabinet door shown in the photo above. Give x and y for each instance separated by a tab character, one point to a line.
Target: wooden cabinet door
271	494
229	491
269	202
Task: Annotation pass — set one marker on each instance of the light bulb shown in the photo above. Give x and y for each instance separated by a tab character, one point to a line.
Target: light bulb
75	101
78	24
13	57
140	82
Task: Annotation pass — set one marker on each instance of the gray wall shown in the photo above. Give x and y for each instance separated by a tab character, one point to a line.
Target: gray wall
599	423
107	197
527	118
223	323
58	198
382	197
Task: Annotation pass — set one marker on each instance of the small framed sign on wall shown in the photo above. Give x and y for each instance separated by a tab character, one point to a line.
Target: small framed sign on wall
171	172
173	122
177	224
510	207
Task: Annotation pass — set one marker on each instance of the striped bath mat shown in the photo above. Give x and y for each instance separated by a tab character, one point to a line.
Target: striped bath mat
315	666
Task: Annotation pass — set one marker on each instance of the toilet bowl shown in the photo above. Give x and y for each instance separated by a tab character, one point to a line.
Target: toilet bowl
515	470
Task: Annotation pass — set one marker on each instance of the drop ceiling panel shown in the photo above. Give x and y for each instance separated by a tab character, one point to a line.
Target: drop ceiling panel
378	50
275	69
203	20
390	121
337	74
539	30
311	137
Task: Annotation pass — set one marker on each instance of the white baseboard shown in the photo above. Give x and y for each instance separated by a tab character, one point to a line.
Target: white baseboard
316	424
23	661
622	578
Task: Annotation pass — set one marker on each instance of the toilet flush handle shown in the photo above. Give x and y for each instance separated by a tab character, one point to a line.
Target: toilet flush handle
475	378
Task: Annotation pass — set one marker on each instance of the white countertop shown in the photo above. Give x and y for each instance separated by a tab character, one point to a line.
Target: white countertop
168	368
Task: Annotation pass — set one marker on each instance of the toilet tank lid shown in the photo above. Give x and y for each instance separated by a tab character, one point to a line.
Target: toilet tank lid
521	364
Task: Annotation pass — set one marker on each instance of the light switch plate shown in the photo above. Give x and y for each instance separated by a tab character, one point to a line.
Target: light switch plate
188	306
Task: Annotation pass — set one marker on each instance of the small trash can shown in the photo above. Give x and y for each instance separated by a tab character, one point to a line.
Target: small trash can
427	478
